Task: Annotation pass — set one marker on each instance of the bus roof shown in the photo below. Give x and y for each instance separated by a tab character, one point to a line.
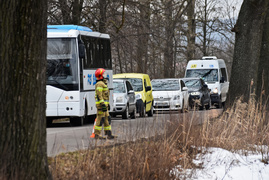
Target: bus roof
72	31
66	28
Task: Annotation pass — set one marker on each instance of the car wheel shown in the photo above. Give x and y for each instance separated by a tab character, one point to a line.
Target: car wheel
201	107
182	108
125	113
133	115
150	113
207	107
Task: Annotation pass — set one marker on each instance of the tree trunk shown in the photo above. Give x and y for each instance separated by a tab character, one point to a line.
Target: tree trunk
263	66
143	37
248	40
76	11
168	49
191	31
23	146
102	23
65	10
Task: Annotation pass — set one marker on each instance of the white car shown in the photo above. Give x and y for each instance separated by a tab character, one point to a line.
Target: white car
170	94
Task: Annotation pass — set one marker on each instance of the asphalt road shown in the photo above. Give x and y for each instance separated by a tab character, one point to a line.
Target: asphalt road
62	137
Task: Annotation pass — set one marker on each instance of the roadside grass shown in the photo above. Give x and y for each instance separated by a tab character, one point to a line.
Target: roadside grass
242	128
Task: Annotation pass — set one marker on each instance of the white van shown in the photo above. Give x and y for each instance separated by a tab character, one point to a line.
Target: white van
214	72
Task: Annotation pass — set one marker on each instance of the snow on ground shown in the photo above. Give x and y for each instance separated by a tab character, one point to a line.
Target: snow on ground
221	164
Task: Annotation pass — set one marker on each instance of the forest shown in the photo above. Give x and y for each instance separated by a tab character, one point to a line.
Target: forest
155	37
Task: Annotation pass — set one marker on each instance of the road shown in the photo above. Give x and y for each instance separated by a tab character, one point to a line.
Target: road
61	137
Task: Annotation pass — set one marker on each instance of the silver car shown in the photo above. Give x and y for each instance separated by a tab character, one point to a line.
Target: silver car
123	99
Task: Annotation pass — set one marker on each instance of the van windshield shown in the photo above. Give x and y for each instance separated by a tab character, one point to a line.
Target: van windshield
208	75
137	83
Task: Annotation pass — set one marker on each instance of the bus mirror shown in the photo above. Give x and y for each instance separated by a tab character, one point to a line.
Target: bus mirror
222	79
81	49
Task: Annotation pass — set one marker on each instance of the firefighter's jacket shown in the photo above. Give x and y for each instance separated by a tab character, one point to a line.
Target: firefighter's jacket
101	94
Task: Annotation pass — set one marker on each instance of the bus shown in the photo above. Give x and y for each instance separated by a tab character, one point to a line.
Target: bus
73	54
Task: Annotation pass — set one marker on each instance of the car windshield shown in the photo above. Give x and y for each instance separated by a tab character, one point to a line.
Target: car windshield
193	83
165	85
62	68
136	83
118	87
208	75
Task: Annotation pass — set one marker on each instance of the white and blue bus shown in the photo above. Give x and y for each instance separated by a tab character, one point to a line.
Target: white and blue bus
73	54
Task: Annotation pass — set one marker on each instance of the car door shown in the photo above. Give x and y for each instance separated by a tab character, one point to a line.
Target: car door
131	95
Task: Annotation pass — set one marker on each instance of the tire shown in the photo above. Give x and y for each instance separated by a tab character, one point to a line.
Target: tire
182	109
133	114
125	114
202	106
49	121
207	107
77	121
142	112
150	113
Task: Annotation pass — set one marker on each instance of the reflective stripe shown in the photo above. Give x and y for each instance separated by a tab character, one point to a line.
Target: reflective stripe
105	89
106	102
98	128
99	102
100	112
98	88
106	128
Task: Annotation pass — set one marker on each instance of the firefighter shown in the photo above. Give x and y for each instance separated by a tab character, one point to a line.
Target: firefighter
102	105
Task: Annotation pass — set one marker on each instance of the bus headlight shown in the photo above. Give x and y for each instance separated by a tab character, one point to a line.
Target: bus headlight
215	91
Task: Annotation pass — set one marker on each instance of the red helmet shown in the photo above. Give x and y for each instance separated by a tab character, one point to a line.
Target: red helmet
99	73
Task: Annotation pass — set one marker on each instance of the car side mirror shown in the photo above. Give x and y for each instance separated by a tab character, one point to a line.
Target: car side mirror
222	79
184	89
148	88
131	92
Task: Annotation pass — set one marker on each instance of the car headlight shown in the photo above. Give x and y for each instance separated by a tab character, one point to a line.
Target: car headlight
120	99
138	96
176	97
215	91
195	93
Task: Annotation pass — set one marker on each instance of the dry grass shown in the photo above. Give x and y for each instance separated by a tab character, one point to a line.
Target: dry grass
242	128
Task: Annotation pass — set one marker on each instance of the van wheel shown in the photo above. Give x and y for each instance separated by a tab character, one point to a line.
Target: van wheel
150	113
142	112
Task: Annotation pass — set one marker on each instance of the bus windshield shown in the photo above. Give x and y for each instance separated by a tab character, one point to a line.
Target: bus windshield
208	75
62	65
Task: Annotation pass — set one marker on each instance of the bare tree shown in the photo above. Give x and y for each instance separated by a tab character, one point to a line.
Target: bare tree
23	31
